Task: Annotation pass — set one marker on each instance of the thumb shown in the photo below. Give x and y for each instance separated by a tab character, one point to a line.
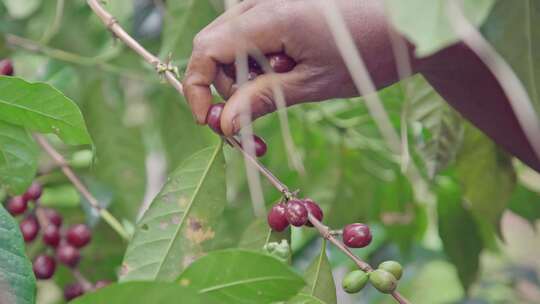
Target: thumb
257	98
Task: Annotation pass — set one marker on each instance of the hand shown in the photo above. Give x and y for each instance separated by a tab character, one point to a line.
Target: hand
294	27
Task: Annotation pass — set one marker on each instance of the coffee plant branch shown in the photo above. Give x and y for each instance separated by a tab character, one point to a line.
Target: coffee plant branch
171	77
74	179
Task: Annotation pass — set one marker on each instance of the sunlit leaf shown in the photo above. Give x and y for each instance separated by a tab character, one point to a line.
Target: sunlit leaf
319	279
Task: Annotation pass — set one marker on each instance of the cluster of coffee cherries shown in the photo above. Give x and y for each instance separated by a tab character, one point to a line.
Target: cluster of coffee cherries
293	212
279	63
62	245
384	278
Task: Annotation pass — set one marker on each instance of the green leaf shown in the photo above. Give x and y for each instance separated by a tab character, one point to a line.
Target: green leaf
179	226
239	276
257	234
183	20
425	22
142	292
21	9
303	298
18	158
428	110
17	282
513	28
40	107
486	175
319	279
458	230
526	204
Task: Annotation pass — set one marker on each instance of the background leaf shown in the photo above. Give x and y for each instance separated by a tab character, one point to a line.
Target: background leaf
319	279
239	276
18	158
179	226
257	234
17	282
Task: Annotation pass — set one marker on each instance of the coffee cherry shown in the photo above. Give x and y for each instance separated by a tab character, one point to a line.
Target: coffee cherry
102	283
79	235
356	235
6	67
29	228
17	205
281	63
51	235
277	220
383	280
260	146
354	281
44	267
72	291
254	66
393	267
213	118
68	255
34	192
54	217
314	209
297	214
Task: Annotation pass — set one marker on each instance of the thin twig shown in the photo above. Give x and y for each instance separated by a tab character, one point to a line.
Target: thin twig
121	34
74	179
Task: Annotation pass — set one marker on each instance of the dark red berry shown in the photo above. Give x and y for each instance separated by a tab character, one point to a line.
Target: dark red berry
79	235
102	283
44	267
51	235
34	192
277	218
17	205
29	228
356	235
314	209
297	214
260	146
72	291
54	217
213	118
229	70
6	67
68	255
281	63
254	66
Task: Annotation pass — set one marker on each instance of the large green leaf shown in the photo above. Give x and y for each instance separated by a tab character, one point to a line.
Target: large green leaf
40	107
183	20
303	298
143	292
458	230
18	158
514	30
17	282
443	126
425	22
179	226
486	175
239	276
319	279
526	204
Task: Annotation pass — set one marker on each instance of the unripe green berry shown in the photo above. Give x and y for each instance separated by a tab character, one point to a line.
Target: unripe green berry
383	280
354	281
393	267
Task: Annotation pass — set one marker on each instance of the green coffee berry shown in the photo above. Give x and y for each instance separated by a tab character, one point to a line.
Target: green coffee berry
393	267
383	280
354	281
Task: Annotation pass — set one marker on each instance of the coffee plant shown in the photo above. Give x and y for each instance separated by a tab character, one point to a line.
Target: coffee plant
111	193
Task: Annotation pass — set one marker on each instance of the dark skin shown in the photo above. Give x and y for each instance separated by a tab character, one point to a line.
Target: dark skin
297	28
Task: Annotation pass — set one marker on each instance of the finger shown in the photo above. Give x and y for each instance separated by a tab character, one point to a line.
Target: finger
257	98
223	84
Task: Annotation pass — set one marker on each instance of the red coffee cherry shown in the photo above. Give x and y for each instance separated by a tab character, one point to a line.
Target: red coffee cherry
54	217
79	235
68	255
314	209
72	291
254	66
6	67
29	228
260	146
102	283
34	192
297	214
281	63
213	118
17	205
51	235
356	235
277	218
44	267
